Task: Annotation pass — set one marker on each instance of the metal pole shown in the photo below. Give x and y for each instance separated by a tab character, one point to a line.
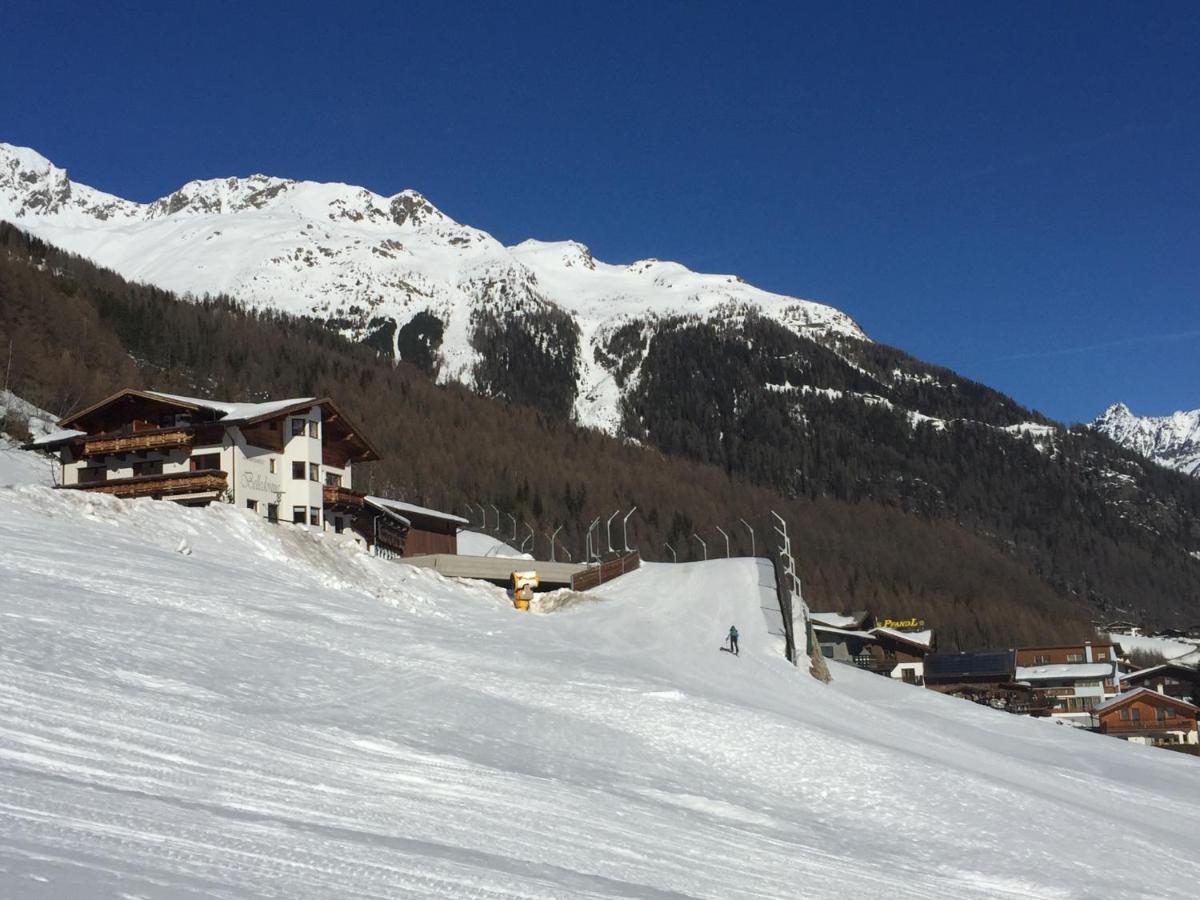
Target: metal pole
674	556
702	544
497	511
624	529
590	545
553	538
724	535
530	538
608	529
751	530
514	523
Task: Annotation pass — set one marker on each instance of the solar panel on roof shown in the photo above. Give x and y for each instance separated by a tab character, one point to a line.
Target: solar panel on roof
969	665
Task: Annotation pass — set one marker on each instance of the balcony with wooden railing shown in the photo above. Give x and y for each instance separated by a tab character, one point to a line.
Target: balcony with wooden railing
338	497
159	439
205	481
1125	726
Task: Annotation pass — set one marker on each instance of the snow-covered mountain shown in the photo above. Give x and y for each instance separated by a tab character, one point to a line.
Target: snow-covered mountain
394	269
1173	441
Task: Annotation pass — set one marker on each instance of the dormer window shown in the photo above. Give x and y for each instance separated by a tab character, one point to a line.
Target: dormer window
298	427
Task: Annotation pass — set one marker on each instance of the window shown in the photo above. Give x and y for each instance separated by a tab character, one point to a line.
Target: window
909	676
300	515
92	475
150	467
1074	657
1041	660
271	466
298	471
1137	714
314	472
1101	656
166	421
201	461
252	504
332	479
297	427
1165	712
339	524
314	516
1124	713
272	512
312	430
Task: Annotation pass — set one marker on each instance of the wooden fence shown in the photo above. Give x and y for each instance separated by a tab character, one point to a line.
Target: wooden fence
596	575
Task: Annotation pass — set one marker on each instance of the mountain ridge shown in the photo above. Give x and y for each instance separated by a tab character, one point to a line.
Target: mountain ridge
371	265
1172	441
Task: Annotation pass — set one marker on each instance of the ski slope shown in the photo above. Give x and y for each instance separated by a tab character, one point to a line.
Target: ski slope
198	704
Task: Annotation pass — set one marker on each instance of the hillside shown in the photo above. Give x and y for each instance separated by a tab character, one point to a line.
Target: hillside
1000	534
206	705
1172	441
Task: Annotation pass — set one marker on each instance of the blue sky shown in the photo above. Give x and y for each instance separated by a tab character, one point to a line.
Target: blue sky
1011	190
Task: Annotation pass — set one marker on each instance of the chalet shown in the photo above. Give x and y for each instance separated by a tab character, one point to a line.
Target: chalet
1170	679
882	651
1071	690
951	673
289	460
1144	716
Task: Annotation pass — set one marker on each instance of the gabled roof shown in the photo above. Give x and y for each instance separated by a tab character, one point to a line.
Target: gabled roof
1143	694
1169	666
411	509
229	413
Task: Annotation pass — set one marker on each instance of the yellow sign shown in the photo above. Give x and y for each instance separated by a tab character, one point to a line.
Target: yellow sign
903	624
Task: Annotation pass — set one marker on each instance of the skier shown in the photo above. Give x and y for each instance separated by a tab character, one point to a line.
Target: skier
733	636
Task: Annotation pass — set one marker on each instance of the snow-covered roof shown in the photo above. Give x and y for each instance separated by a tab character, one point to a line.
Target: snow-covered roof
1066	670
56	437
924	638
836	620
382	506
1121	699
412	509
236	412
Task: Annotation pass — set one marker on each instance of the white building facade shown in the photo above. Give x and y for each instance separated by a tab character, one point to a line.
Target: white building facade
289	460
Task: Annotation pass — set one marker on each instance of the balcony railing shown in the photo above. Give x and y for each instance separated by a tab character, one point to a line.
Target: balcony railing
145	440
205	481
1176	724
342	498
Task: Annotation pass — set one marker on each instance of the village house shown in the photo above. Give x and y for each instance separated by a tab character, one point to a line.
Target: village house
1072	678
897	651
285	460
1144	716
1171	679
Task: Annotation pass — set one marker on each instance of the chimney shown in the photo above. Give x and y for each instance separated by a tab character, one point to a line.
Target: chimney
1087	651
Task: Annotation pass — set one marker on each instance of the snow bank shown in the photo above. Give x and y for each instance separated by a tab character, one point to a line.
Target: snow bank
278	714
475	543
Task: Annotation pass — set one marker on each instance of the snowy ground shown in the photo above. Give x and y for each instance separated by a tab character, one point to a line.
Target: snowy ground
272	713
1170	650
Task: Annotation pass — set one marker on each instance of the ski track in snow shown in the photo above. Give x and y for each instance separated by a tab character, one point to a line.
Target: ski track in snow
280	715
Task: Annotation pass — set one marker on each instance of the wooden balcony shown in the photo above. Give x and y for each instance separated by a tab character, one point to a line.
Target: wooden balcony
1127	726
205	481
144	440
341	498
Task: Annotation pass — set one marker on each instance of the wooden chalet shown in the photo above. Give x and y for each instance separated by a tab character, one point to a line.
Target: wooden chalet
851	638
1148	717
1171	679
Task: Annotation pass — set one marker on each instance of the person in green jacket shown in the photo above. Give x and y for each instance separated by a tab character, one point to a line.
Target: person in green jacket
733	636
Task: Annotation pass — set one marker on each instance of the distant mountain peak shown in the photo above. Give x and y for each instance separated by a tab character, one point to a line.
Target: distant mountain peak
1172	441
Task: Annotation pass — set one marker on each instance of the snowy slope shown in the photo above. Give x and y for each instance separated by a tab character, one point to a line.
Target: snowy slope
359	259
1173	441
272	713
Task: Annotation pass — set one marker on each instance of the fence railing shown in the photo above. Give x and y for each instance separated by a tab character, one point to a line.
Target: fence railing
597	575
